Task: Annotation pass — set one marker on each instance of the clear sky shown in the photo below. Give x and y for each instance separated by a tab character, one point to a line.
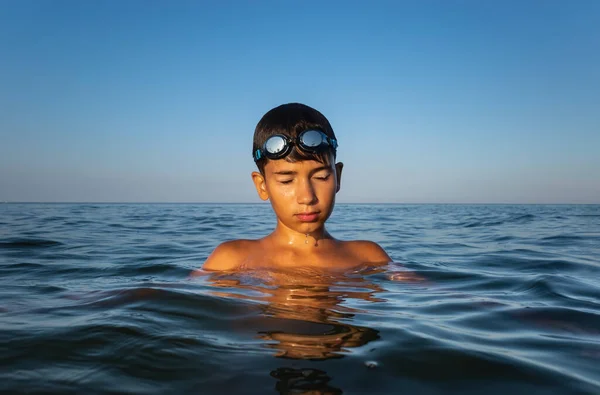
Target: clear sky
432	101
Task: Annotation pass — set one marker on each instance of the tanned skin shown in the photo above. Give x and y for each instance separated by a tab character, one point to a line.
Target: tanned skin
294	189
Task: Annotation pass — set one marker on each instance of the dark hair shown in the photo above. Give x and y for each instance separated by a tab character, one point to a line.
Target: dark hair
290	120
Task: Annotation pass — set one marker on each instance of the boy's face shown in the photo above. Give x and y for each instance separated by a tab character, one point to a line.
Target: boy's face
302	193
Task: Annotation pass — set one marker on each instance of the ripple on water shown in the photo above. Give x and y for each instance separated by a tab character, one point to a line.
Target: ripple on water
20	243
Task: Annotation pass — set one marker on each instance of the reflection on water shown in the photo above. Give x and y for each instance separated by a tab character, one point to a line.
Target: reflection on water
303	311
304	316
303	381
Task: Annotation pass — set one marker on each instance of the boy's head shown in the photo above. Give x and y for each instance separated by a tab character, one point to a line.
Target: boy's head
293	120
294	149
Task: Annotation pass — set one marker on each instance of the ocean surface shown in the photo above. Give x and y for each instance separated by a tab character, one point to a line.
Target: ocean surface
482	299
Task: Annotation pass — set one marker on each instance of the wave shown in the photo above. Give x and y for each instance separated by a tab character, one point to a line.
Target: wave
29	243
513	219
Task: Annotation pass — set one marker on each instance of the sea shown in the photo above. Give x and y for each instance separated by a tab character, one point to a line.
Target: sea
480	299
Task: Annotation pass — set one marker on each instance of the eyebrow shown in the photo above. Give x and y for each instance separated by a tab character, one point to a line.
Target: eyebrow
285	172
291	172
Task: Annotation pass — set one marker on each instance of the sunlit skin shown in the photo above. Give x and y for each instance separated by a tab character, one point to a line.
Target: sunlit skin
297	188
302	195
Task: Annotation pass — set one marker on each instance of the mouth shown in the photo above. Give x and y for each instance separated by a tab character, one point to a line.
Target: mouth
308	217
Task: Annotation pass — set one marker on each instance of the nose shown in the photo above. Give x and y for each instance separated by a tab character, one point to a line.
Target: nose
305	193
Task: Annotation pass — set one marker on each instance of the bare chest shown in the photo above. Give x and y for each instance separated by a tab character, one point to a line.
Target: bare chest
324	257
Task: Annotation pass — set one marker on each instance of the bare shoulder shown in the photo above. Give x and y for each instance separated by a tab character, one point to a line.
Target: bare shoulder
368	251
229	255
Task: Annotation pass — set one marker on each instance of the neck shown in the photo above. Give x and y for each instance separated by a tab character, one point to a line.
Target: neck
297	239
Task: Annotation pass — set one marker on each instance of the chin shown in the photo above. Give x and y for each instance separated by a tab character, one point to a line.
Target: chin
309	227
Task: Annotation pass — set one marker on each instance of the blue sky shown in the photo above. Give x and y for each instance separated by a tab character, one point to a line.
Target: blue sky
432	101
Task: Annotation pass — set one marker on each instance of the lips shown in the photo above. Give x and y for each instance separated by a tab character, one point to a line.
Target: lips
308	217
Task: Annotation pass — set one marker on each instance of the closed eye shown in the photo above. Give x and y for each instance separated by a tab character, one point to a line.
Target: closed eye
285	182
323	178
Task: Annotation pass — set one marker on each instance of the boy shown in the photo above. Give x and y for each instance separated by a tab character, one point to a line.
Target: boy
294	149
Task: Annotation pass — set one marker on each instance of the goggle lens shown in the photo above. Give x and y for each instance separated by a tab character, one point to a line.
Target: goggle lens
312	139
275	145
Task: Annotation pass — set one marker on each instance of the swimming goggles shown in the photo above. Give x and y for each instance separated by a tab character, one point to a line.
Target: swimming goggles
279	145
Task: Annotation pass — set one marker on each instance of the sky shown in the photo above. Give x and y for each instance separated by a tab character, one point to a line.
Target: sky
432	101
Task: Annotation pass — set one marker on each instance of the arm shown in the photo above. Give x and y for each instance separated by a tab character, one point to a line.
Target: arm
227	256
374	254
371	252
377	254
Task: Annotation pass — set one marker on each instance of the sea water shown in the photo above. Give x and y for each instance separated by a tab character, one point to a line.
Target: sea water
494	299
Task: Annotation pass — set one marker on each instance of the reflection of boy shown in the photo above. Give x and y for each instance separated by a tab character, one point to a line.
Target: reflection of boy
303	315
294	149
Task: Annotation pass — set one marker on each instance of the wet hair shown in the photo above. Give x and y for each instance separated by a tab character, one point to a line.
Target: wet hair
290	120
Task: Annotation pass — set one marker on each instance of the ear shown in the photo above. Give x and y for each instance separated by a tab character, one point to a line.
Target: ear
338	172
261	186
